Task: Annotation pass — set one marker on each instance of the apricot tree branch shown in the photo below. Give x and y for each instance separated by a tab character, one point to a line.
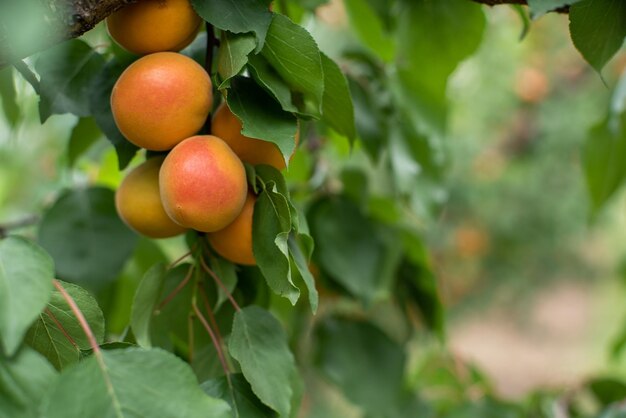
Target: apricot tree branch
30	26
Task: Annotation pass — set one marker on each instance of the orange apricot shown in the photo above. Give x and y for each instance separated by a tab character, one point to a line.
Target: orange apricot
203	184
161	99
150	26
138	202
234	242
252	151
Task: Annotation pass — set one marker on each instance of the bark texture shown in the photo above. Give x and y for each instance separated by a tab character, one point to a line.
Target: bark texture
29	26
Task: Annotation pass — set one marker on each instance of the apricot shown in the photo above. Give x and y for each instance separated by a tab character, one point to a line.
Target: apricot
138	202
203	184
234	242
250	150
154	25
161	99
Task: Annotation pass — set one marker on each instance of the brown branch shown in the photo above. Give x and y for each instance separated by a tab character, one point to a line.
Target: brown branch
30	26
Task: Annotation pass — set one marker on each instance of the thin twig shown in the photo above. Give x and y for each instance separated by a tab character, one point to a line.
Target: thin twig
92	340
219	283
220	340
207	307
178	288
220	353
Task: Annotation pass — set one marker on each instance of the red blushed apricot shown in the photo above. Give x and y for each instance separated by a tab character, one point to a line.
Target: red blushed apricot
150	26
161	99
252	151
234	242
203	184
138	202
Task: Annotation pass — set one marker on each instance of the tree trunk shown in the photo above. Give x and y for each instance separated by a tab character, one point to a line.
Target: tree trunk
29	26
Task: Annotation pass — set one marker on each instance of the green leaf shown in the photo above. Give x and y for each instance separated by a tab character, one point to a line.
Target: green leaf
261	116
86	238
598	28
607	390
131	383
242	400
369	27
8	96
359	253
232	55
66	72
237	16
270	230
603	153
337	109
26	273
429	49
100	107
301	261
272	82
259	343
541	7
349	352
146	298
419	285
294	54
57	334
84	134
24	379
371	120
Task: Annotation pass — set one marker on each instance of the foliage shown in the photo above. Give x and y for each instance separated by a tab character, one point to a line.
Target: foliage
95	321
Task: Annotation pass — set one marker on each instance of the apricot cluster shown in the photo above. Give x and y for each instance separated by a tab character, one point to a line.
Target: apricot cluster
160	103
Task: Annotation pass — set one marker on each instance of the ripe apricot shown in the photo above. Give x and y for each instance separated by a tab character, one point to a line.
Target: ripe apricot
154	25
234	242
161	99
138	202
203	184
252	151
